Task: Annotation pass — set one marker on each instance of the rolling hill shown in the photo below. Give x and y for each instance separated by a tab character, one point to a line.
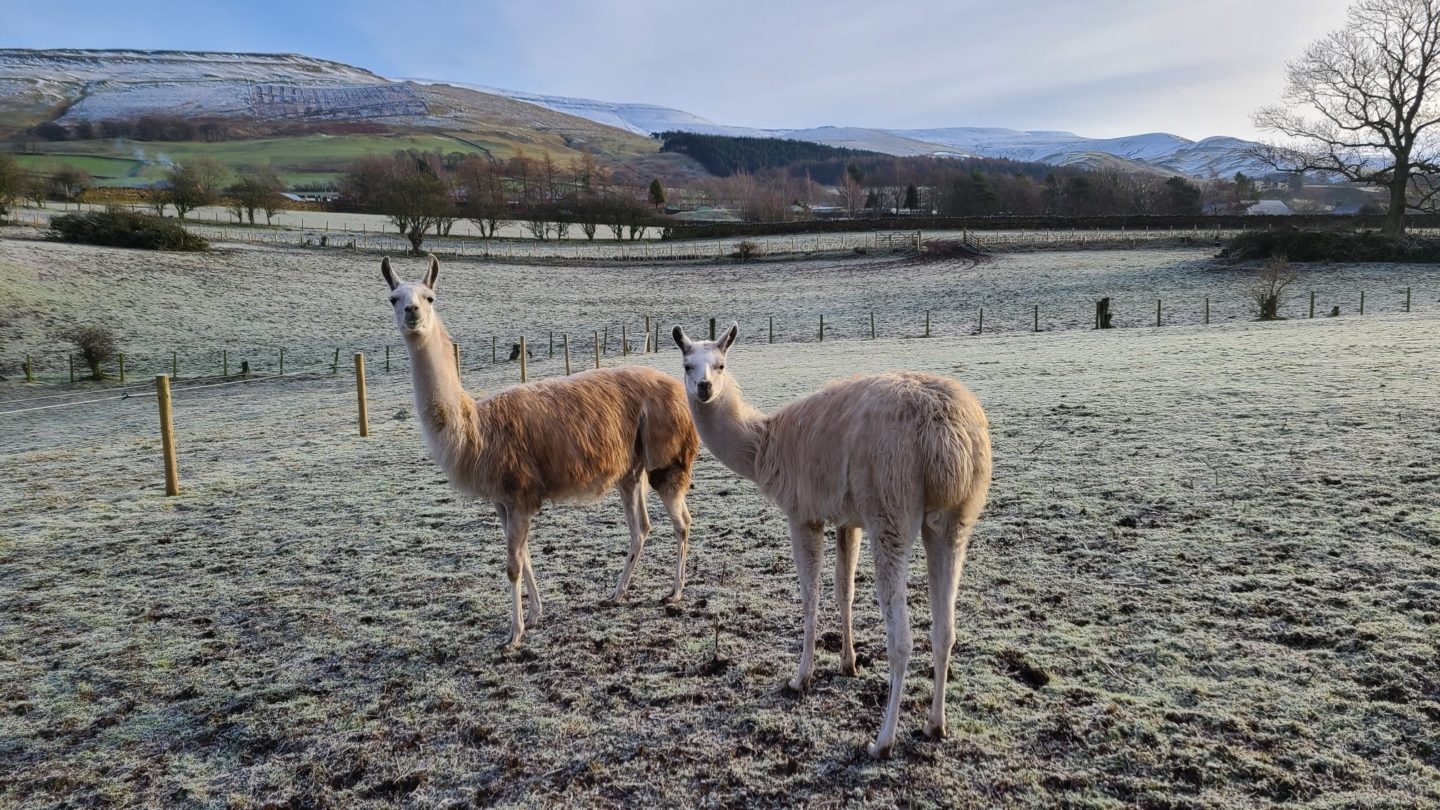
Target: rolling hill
276	98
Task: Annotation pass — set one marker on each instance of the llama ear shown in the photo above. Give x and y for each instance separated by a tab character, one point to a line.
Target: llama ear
433	272
680	339
729	337
385	271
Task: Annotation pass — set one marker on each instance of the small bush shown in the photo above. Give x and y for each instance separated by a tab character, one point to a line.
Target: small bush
95	344
1275	275
1329	246
127	229
745	251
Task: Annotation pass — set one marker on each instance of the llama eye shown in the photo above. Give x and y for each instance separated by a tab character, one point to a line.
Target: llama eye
719	368
689	369
394	299
430	298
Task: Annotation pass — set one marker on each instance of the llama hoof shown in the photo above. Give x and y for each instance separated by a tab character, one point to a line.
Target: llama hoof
798	685
849	668
532	622
877	751
672	598
511	645
935	731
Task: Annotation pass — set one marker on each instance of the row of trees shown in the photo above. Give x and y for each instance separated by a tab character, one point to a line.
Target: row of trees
62	182
423	193
202	180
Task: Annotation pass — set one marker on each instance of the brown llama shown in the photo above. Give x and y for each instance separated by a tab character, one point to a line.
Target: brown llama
564	439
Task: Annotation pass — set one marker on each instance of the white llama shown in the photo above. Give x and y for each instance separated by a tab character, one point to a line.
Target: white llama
564	439
898	454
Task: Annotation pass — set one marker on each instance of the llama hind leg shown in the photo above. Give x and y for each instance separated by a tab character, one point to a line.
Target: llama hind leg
891	547
847	557
807	544
946	535
517	538
673	497
532	592
632	495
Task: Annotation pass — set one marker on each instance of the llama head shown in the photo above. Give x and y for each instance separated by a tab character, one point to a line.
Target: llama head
413	301
705	376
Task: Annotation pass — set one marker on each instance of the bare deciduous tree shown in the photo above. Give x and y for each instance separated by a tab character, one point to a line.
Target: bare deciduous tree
1363	103
194	183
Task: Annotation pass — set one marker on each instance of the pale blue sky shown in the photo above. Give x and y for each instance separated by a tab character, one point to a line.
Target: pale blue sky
1097	67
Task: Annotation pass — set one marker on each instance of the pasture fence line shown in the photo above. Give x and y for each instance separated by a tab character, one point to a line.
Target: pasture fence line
49	367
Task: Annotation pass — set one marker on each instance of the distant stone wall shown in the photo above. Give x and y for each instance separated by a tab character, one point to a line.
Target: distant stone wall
290	102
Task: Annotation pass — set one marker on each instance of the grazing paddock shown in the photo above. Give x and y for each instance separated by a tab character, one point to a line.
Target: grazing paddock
1207	575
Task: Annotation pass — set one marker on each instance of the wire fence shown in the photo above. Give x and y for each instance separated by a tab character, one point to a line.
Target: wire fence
56	366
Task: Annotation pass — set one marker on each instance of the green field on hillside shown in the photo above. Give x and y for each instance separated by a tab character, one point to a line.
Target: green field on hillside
305	159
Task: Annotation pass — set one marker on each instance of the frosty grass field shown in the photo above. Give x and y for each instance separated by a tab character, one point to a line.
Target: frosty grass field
1207	576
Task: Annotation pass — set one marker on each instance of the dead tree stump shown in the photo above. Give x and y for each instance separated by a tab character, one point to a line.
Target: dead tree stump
1102	314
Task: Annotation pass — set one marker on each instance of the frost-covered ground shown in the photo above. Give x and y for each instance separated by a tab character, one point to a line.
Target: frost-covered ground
251	301
1207	576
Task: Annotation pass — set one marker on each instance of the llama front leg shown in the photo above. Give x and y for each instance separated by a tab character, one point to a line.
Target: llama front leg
674	499
517	538
632	500
806	545
945	542
891	548
847	558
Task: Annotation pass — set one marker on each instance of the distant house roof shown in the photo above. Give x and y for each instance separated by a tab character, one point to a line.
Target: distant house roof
1270	208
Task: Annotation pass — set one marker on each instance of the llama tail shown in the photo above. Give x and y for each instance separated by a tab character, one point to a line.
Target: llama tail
957	451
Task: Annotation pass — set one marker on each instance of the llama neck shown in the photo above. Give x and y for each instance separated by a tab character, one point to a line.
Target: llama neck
446	412
731	429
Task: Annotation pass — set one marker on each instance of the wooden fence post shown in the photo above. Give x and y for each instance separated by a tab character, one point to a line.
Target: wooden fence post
29	370
360	394
1407	299
1037	317
523	350
1312	303
647	337
981	330
927	318
122	366
335	365
167	435
712	328
387	358
624	341
174	365
566	338
455	350
492	349
1362	302
1207	309
597	348
772	328
872	325
822	327
1157	311
605	340
224	362
72	368
552	343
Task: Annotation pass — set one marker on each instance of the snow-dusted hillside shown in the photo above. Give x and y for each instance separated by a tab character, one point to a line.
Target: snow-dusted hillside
98	85
113	84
